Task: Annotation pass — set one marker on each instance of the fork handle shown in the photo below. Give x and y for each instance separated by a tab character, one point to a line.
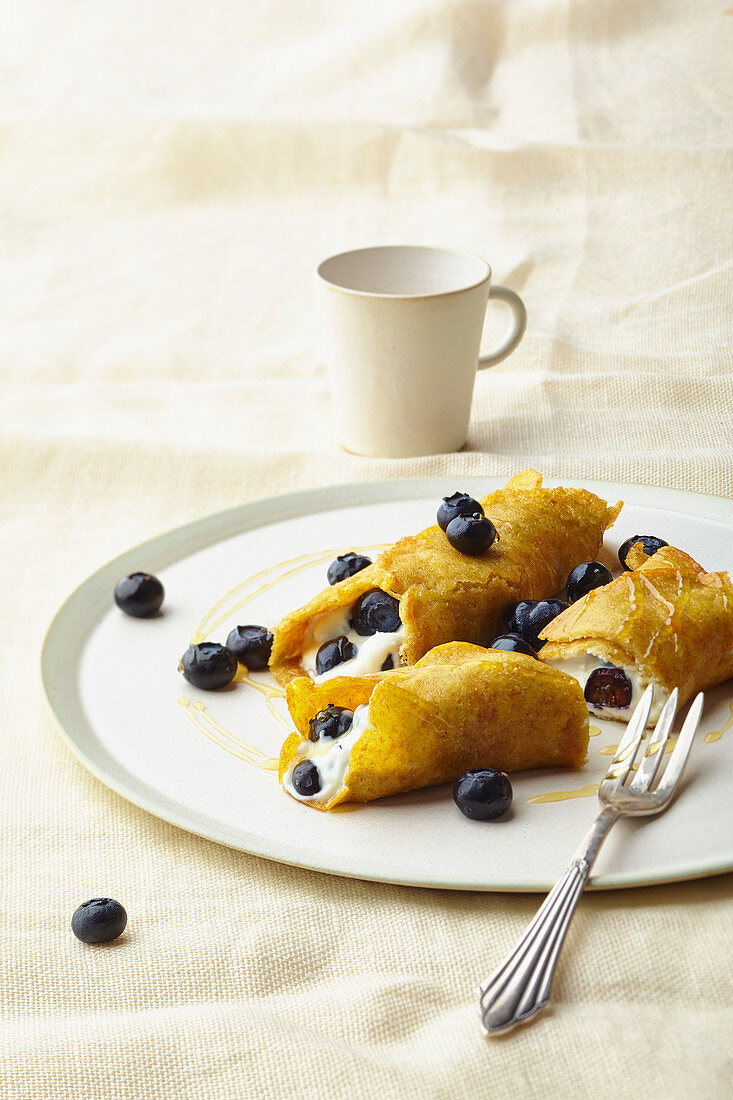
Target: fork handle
521	986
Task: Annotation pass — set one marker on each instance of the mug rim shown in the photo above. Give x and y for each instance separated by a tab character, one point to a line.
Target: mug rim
325	281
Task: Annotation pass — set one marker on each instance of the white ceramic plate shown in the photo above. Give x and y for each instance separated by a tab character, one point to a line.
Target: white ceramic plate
114	688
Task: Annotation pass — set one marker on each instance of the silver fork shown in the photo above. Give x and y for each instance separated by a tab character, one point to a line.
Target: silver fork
521	986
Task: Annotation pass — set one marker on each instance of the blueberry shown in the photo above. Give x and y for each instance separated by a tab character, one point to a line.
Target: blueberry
584	578
483	794
375	612
608	687
543	612
471	534
99	920
650	543
306	778
208	665
139	595
512	643
346	565
334	652
518	616
387	663
460	504
332	722
251	645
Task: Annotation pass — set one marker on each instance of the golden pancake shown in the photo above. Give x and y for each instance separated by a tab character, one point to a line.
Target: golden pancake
666	622
459	707
448	596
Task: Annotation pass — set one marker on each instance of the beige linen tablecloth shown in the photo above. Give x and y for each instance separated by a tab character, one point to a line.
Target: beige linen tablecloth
169	174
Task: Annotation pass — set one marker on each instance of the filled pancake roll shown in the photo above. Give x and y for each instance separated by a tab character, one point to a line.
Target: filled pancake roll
423	592
460	707
666	622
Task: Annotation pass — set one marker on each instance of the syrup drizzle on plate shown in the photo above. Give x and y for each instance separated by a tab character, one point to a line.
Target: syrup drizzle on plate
562	796
223	611
715	735
196	712
291	567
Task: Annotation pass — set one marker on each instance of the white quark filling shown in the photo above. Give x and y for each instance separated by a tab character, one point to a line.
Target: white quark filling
331	756
583	664
371	652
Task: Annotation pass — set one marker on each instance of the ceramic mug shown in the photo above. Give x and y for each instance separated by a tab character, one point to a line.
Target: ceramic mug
401	329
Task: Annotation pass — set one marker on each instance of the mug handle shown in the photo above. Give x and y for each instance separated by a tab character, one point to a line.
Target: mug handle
519	324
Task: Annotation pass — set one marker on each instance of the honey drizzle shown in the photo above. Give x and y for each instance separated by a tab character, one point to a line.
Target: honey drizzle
562	796
607	750
593	731
196	712
221	737
715	735
269	691
300	564
204	626
277	715
258	592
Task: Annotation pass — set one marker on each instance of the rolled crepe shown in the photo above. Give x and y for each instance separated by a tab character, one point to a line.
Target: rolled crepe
460	707
447	596
666	622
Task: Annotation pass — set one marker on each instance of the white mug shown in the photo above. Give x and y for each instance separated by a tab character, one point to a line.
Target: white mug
401	329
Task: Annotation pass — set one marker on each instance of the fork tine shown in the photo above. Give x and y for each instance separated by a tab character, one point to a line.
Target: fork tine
676	766
648	766
620	766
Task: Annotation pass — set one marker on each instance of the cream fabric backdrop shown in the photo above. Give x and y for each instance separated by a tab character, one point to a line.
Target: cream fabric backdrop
169	173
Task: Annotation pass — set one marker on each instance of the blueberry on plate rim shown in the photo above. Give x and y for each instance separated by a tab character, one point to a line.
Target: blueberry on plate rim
99	920
472	534
208	665
334	652
251	645
650	544
139	595
584	578
376	612
458	504
333	721
513	643
346	565
483	794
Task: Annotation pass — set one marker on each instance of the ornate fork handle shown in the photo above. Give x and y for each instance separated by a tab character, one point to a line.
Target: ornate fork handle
521	987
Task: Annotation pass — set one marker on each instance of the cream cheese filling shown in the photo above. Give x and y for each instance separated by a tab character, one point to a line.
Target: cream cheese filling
582	664
371	652
331	755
